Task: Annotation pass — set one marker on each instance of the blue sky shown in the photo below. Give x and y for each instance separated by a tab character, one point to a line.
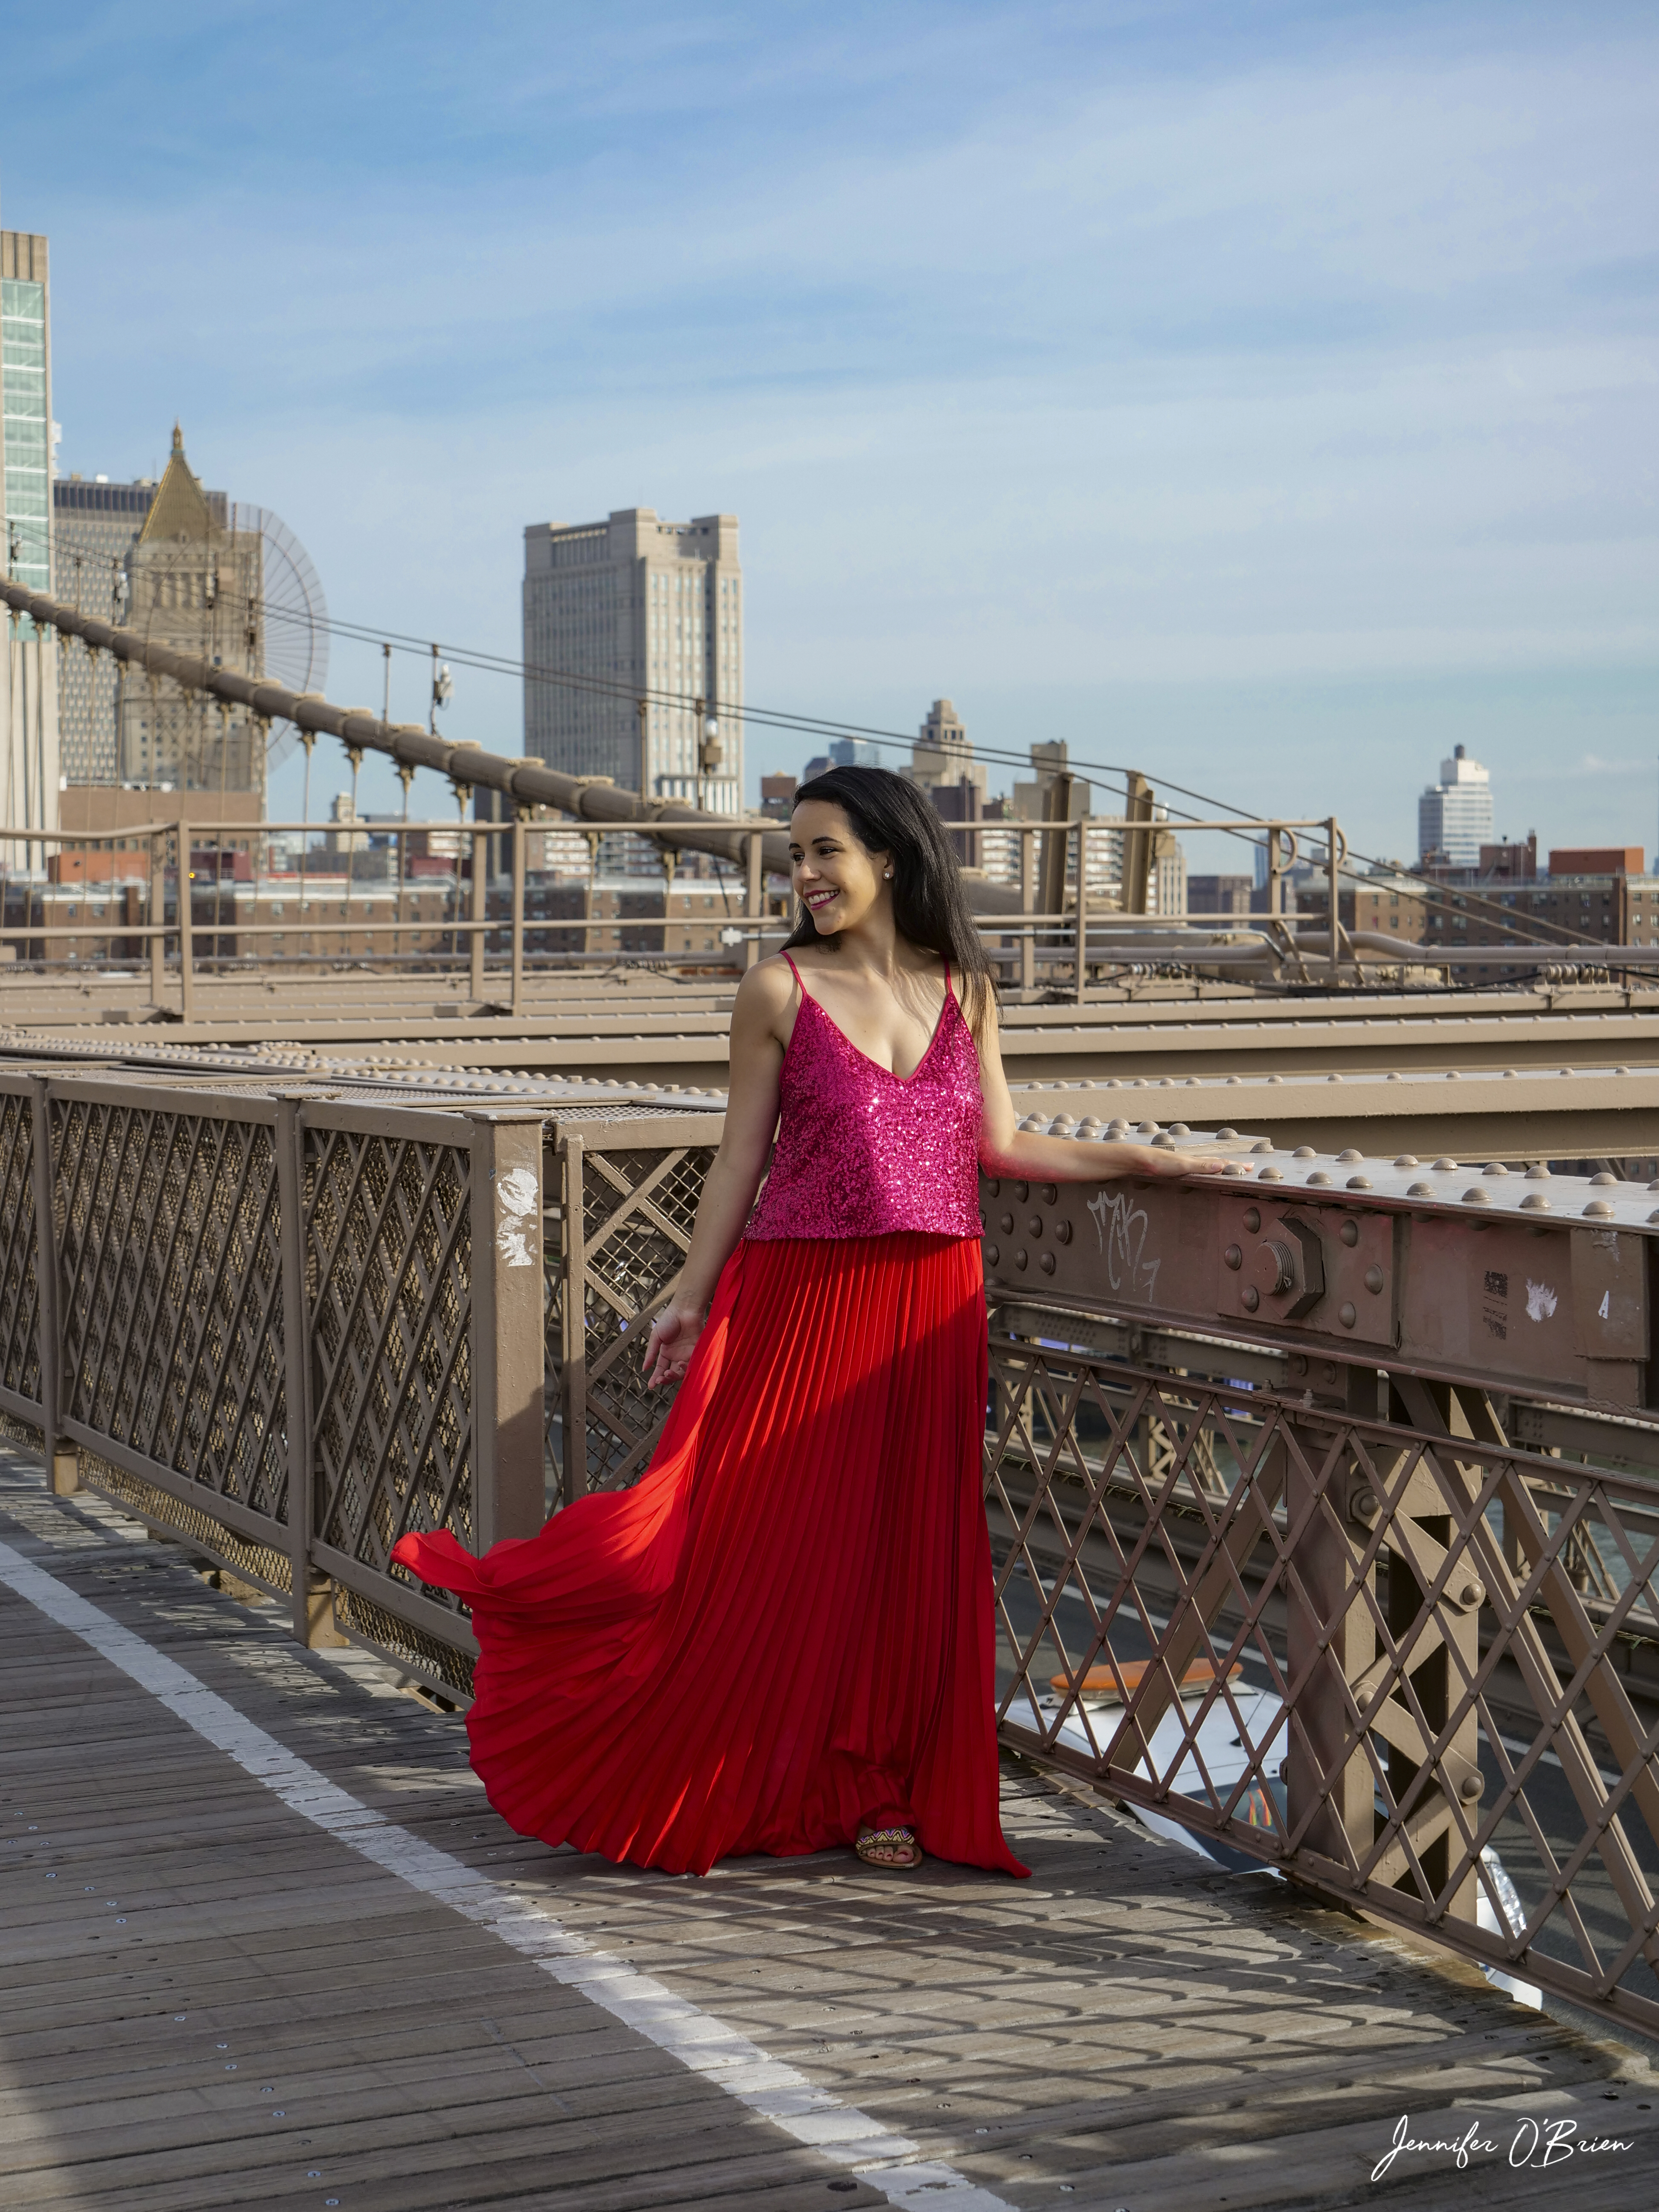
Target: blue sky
1263	395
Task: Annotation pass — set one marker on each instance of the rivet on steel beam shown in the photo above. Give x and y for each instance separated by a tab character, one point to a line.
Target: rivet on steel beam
1476	1196
1304	1152
1271	1174
1604	1178
1232	1257
1249	1297
1235	1168
1494	1168
1349	1231
1226	1135
1422	1190
1147	1129
1350	1154
1318	1175
1179	1129
1347	1315
1444	1166
993	1252
1047	1263
1470	1788
1406	1160
1265	1144
1359	1183
1374	1280
1535	1202
1022	1257
1599	1209
1538	1172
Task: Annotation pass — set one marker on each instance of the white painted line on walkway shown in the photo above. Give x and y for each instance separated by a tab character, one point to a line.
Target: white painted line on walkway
887	2161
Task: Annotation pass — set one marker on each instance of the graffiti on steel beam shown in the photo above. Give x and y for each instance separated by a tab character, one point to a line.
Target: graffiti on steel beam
1122	1223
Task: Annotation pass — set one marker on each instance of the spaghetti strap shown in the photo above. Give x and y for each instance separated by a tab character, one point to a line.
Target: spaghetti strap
949	991
795	972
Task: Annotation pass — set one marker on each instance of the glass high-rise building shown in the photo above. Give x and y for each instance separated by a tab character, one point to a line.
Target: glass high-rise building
629	624
28	677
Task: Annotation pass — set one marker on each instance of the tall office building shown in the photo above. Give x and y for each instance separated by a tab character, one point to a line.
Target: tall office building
198	587
647	617
1454	817
943	753
95	525
29	670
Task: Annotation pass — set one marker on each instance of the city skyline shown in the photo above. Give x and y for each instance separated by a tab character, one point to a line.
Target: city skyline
1301	362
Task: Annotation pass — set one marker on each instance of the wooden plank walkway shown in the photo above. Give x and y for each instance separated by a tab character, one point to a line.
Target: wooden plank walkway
208	2000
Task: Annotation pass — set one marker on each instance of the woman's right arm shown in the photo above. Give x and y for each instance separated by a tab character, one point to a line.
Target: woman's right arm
759	1021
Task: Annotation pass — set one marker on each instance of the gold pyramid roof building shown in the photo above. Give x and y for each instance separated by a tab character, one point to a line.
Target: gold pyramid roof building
180	509
199	589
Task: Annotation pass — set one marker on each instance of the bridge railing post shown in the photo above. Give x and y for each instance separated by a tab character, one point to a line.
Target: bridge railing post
475	940
573	1323
508	1336
753	913
519	841
186	933
312	1612
63	1460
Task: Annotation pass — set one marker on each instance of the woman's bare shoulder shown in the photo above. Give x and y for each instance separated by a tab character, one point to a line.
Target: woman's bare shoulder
766	990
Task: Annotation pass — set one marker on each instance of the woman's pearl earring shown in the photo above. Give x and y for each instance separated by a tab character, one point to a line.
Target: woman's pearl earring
889	875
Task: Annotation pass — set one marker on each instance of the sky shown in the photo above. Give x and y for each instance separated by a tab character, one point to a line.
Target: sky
1261	395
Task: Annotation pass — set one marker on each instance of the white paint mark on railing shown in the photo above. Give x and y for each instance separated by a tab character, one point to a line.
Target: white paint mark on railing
519	1198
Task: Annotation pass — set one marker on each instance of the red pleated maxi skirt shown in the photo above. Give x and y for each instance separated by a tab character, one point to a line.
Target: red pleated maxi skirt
783	1633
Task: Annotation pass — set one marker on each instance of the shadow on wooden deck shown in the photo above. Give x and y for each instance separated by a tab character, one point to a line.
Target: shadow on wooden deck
210	2000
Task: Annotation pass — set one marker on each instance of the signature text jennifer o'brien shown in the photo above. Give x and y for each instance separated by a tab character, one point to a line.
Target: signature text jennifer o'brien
1534	2143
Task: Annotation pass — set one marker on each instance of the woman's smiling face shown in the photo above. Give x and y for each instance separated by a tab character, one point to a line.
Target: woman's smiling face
835	878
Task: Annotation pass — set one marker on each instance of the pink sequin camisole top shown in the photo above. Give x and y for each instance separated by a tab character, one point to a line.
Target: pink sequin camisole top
864	1152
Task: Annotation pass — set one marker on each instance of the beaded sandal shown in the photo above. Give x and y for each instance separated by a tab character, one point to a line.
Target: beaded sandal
889	1839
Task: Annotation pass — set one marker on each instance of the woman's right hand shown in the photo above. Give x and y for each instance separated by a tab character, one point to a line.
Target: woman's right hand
672	1340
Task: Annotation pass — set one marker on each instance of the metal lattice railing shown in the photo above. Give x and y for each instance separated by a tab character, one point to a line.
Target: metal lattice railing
283	1330
1391	1659
627	1209
170	1280
1323	1600
387	1253
19	1307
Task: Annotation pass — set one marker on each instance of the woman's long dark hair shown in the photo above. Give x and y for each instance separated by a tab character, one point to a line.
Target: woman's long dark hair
891	815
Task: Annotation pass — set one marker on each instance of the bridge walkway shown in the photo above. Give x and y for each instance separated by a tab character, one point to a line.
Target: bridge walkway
265	1944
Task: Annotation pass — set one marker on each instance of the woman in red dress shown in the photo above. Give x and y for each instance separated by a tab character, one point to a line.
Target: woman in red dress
781	1639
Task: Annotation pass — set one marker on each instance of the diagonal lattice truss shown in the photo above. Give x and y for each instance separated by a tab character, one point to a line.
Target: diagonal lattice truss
19	1287
637	1209
1406	1663
388	1292
170	1284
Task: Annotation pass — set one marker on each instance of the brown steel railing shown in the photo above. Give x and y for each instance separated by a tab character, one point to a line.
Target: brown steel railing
1360	1584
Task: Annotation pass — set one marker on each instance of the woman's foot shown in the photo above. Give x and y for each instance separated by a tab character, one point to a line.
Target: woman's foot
888	1847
